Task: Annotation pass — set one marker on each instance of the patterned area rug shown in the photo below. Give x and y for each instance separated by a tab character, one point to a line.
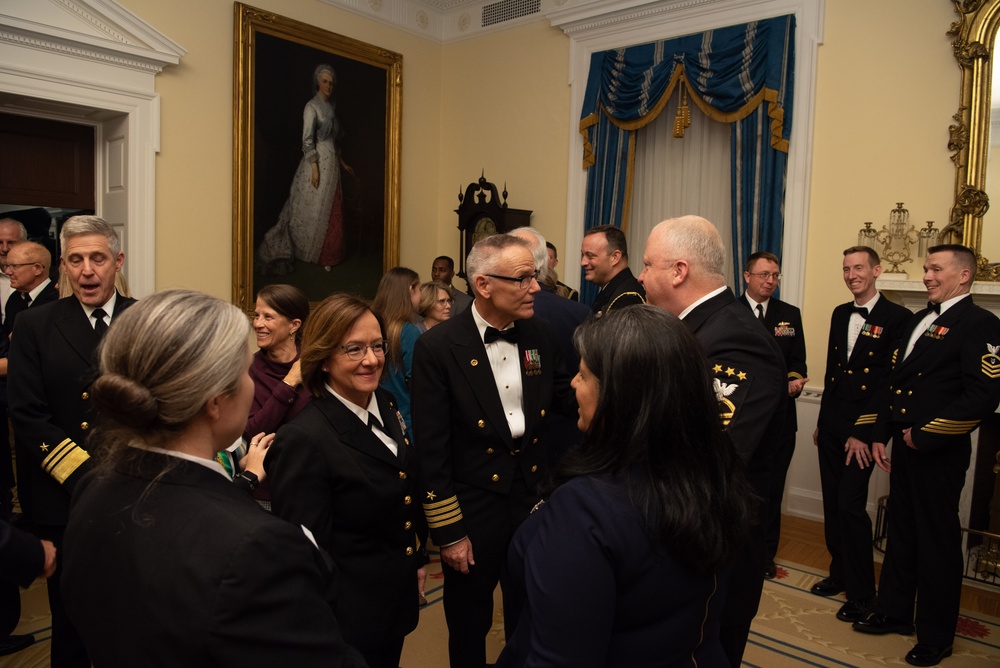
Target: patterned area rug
795	628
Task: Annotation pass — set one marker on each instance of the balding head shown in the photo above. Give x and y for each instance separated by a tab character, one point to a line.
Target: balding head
683	262
28	265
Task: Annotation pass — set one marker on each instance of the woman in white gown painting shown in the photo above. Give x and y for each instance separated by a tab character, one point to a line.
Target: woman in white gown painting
311	225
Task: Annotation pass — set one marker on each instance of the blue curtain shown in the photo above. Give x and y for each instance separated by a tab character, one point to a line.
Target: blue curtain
741	75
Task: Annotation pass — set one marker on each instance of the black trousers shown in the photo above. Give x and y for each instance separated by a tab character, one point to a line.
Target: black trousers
846	523
776	489
68	650
922	571
468	598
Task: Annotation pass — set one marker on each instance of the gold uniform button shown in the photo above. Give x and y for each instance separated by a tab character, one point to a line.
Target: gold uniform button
866	369
899	391
402	475
407	526
534	468
832	379
903	411
85	396
909	392
871	354
543	412
409	551
495	478
534	440
406	440
407	500
85	426
480	424
489	451
850	372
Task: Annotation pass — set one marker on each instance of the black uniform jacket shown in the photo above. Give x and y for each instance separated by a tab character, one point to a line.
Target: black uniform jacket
949	382
747	368
52	364
330	473
459	422
853	387
16	305
185	569
622	290
784	322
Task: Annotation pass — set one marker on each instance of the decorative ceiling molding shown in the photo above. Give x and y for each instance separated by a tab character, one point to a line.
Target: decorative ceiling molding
97	30
452	20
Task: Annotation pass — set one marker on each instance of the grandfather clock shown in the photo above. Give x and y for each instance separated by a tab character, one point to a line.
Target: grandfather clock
482	213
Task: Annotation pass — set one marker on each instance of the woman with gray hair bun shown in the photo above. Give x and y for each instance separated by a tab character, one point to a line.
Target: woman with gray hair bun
166	561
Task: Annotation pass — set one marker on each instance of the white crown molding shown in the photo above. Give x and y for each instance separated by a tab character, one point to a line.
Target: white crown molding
97	30
442	21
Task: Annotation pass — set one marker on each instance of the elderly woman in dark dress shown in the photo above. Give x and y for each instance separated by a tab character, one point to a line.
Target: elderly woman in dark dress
625	563
344	469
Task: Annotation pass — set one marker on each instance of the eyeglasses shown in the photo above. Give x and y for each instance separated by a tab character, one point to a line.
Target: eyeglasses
357	352
442	302
523	282
764	275
14	267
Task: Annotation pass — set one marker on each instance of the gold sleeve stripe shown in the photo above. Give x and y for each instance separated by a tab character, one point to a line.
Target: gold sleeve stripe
866	419
794	374
63	462
949	427
442	513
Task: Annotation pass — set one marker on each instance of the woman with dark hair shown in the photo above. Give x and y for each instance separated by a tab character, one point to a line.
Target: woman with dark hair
345	469
396	303
435	305
166	561
278	316
625	563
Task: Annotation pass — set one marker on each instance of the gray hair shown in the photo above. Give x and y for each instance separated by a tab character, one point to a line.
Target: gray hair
80	225
696	240
484	255
323	67
22	231
536	244
164	358
35	253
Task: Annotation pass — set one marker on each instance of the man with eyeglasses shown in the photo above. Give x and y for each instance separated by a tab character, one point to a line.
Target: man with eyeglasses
28	270
784	321
483	383
683	273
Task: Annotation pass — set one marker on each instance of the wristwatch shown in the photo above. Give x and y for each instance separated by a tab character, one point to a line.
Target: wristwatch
250	477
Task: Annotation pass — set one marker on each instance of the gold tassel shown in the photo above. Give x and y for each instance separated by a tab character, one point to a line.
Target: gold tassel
683	119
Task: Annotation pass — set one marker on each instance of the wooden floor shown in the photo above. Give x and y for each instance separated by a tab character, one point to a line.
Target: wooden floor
802	542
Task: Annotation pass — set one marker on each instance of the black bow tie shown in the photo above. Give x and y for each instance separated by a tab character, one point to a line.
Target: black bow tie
934	307
509	334
863	310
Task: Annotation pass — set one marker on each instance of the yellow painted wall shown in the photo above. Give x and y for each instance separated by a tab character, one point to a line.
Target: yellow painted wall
887	86
194	167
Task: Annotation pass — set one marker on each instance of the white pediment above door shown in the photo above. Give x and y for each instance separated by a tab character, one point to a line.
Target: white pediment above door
97	30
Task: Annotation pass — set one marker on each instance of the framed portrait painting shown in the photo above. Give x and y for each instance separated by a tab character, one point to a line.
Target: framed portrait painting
316	158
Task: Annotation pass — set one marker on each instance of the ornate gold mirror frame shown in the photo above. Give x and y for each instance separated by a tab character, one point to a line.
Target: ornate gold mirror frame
975	34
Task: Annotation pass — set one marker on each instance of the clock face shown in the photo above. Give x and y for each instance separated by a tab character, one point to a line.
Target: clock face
485	227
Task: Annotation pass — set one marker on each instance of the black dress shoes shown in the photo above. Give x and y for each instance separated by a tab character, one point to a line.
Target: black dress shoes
770	570
927	655
12	644
879	624
827	587
852	611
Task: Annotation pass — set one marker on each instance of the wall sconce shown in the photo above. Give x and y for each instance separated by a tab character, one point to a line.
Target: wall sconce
893	241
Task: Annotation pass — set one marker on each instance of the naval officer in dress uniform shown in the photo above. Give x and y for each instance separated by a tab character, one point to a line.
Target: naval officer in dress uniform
944	382
863	334
483	383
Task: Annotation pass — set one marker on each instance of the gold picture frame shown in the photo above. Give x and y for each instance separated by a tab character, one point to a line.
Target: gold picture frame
287	129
